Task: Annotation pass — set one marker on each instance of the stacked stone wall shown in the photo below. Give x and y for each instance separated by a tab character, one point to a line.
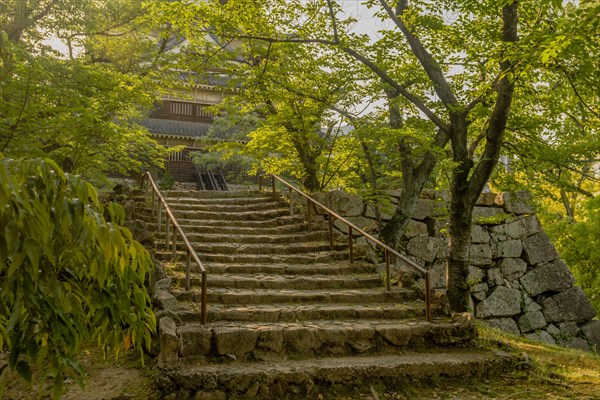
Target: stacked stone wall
519	283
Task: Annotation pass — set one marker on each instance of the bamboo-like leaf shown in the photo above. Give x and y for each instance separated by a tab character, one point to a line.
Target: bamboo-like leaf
24	370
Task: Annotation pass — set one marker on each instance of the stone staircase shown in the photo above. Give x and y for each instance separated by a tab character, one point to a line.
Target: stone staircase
288	316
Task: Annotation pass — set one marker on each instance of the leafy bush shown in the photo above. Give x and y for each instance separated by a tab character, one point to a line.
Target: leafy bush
67	275
578	243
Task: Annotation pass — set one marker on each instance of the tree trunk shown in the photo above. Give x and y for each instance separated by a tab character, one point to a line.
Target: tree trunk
461	210
457	269
310	178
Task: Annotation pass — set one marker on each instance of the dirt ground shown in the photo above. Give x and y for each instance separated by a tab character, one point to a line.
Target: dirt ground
107	379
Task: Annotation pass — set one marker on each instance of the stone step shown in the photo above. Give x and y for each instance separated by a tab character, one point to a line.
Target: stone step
277	312
227	208
304	258
333	268
323	377
269	281
265	214
262	249
213	194
232	217
255	235
269	340
216	229
273	226
266	296
220	201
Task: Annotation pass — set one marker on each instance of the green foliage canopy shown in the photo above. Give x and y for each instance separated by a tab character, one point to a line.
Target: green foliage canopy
67	274
79	108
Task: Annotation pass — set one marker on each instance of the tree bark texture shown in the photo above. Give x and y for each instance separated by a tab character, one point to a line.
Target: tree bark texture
468	179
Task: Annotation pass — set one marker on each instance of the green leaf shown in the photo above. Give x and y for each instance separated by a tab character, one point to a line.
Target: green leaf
24	370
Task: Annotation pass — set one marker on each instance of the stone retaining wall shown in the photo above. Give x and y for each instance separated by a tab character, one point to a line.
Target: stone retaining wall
519	283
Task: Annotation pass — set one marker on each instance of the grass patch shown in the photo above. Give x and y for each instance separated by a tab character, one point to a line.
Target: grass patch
543	372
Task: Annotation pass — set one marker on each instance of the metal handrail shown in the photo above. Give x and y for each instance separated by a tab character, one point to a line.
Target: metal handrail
191	253
351	228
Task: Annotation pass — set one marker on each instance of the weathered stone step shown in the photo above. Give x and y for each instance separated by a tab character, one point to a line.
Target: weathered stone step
334	268
265	296
293	312
232	217
321	377
258	237
219	229
220	201
212	194
261	249
265	340
304	258
227	208
273	226
269	281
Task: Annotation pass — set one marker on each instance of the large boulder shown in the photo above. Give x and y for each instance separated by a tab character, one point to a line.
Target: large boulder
423	247
504	324
532	321
345	204
519	202
541	336
570	305
512	268
508	248
551	277
427	208
591	331
479	235
366	224
488	215
169	343
503	302
415	228
539	249
520	228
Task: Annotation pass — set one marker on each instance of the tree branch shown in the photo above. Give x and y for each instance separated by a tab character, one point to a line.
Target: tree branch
572	84
369	64
499	117
431	67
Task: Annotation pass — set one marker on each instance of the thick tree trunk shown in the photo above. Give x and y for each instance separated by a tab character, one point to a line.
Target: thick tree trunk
461	210
468	179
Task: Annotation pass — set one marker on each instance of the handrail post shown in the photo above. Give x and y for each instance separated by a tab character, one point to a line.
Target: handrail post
168	225
174	246
159	221
388	279
291	205
204	299
187	270
330	230
350	245
273	187
147	189
309	214
260	179
428	296
152	204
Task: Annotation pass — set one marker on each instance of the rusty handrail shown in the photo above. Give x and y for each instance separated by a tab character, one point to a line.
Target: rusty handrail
191	253
353	228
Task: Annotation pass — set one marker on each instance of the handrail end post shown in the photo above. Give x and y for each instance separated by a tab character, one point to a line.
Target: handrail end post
204	298
388	278
428	296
